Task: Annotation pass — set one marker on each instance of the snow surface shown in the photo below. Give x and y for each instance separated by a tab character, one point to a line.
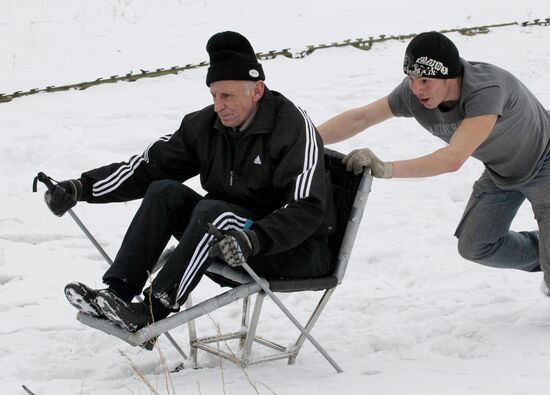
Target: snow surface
411	317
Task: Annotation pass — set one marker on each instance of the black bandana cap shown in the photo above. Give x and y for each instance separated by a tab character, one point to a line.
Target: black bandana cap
432	55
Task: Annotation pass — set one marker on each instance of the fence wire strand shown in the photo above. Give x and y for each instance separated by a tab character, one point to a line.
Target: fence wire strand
359	43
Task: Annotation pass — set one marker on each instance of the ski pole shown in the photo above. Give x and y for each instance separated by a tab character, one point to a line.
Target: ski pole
28	391
49	184
46	180
218	235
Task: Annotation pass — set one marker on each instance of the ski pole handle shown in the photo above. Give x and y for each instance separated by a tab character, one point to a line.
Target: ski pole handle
212	230
43	178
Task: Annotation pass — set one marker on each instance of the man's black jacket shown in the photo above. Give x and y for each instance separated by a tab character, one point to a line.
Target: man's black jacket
275	169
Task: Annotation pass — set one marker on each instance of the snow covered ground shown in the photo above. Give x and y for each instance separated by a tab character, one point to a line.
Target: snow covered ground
411	316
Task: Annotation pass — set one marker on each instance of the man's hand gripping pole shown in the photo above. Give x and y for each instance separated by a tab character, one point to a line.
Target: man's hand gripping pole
212	230
46	180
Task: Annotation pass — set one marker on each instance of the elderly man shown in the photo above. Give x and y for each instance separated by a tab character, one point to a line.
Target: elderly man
260	160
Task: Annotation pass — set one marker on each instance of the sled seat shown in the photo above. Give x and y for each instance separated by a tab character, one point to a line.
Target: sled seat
350	193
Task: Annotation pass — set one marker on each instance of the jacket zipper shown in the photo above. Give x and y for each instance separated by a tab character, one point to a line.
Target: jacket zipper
230	142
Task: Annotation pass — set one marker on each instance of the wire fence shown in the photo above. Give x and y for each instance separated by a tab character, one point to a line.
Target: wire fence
360	43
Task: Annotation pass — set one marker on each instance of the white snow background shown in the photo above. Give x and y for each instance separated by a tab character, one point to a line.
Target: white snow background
411	316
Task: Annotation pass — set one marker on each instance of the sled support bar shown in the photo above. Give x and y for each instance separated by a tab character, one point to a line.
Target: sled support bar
173	321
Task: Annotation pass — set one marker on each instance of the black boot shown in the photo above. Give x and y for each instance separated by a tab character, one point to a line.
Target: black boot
129	316
83	298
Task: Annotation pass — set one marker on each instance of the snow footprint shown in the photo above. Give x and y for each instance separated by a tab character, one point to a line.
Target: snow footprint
6	278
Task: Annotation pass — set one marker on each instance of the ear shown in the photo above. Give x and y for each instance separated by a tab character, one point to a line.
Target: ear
259	89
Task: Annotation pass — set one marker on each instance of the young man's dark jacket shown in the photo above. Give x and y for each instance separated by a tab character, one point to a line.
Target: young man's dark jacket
275	168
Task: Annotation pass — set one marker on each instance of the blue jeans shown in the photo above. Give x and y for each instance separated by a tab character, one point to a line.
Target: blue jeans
484	234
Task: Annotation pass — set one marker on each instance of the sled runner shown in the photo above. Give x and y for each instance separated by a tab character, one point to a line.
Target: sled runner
350	193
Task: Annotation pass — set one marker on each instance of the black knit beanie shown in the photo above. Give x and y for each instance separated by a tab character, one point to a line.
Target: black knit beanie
432	55
232	58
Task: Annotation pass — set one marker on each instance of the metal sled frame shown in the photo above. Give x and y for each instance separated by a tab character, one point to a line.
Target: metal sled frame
246	286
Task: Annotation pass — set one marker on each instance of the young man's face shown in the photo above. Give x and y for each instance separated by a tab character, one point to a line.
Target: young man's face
431	92
235	101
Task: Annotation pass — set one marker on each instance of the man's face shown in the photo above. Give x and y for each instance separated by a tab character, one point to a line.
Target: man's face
235	101
431	92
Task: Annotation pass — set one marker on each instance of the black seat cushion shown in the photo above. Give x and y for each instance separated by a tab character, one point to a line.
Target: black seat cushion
344	189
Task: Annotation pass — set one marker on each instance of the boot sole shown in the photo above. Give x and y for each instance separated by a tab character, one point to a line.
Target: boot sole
78	301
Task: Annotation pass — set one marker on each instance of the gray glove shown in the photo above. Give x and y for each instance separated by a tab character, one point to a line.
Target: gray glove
357	159
235	246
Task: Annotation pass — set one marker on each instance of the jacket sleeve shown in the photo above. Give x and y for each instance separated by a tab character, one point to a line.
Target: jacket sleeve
297	151
167	158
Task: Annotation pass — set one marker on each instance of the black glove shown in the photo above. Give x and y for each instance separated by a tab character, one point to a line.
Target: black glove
235	246
63	197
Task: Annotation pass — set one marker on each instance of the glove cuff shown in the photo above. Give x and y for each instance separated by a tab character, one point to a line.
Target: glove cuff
77	186
388	170
86	188
253	241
